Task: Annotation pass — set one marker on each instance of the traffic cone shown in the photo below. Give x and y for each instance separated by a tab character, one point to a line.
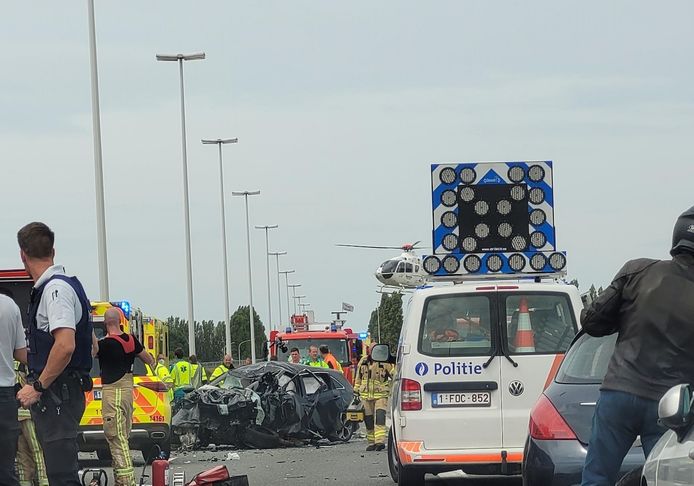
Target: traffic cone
525	341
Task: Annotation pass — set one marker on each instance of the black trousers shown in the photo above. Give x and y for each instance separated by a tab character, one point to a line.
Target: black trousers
9	432
57	417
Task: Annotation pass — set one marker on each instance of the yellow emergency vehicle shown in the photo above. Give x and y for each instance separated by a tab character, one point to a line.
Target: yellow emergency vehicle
151	407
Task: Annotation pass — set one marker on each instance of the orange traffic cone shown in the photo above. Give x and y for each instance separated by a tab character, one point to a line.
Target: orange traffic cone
525	341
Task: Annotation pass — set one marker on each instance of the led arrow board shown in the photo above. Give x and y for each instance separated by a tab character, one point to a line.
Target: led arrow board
493	217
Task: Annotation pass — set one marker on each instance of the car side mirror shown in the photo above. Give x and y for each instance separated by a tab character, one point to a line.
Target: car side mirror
380	353
675	409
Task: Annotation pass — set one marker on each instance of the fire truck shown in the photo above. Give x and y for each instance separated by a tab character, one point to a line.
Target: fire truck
344	344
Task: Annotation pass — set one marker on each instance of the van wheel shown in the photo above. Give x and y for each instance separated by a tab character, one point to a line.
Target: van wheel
410	476
393	461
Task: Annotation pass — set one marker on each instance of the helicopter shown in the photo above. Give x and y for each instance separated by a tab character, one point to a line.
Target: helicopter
404	271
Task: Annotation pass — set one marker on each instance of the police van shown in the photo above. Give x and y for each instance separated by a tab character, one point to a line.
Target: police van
475	355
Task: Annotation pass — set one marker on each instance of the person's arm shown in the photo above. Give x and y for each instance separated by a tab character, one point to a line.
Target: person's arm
20	342
95	345
21	355
147	359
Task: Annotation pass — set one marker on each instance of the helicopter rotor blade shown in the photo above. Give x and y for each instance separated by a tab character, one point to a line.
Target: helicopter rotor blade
372	247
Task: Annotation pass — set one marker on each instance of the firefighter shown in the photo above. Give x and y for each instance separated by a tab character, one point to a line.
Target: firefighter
60	357
30	466
372	383
198	375
162	372
314	358
226	365
117	352
180	373
329	358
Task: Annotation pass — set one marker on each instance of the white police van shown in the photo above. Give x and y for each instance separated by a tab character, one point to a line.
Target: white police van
475	356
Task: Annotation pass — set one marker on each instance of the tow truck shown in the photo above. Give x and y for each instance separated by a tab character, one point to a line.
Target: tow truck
303	331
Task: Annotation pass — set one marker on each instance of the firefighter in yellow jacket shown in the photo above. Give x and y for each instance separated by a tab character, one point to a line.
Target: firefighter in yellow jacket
30	465
373	382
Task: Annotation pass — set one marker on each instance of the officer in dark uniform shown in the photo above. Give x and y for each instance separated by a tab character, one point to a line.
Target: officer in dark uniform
59	336
650	305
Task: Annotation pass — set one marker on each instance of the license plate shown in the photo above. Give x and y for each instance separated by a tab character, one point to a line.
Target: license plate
355	416
461	399
97	394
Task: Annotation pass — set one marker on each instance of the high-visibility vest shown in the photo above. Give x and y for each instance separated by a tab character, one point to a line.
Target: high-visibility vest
333	363
163	374
181	373
219	371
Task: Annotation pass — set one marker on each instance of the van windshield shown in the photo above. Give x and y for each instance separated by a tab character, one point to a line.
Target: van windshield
538	322
456	325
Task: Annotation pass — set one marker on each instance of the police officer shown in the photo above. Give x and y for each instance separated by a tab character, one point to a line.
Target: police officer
650	305
117	352
59	355
226	365
12	346
373	382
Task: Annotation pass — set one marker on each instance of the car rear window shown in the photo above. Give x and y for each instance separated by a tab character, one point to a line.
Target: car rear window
456	325
587	360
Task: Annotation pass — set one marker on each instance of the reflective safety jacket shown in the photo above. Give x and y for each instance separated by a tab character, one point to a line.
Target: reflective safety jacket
219	371
163	374
198	375
319	363
181	374
332	362
373	379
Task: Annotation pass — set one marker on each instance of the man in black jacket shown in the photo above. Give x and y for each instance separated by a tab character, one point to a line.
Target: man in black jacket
650	304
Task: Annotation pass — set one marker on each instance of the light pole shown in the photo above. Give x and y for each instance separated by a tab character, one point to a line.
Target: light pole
238	354
294	287
186	206
277	255
267	228
286	284
298	298
303	306
245	195
227	323
98	164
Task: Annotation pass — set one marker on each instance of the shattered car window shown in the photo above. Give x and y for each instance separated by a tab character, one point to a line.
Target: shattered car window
229	381
311	384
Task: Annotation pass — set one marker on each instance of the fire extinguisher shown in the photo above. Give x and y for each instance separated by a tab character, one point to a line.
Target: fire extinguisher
160	472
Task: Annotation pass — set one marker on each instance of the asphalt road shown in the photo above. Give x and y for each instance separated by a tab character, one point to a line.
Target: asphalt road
339	464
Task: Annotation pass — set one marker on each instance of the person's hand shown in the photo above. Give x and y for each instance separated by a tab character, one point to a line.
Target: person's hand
27	396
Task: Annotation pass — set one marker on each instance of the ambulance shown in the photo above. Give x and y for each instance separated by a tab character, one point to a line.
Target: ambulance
482	341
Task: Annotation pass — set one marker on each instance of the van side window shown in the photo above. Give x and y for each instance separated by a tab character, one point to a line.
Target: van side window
538	323
456	325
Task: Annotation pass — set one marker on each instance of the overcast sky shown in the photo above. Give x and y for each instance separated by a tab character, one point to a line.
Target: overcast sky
340	108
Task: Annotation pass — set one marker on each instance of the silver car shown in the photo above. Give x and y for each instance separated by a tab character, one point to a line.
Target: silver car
671	462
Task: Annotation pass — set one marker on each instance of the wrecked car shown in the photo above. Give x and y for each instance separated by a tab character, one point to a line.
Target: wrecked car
266	405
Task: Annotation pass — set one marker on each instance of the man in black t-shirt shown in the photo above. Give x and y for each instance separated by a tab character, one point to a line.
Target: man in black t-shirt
117	352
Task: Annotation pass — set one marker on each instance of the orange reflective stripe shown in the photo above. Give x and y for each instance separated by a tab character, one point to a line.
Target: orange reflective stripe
408	454
553	369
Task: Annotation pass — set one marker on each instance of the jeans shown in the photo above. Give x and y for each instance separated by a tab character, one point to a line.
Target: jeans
9	433
619	418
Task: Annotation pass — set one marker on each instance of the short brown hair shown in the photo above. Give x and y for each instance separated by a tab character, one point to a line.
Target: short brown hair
36	240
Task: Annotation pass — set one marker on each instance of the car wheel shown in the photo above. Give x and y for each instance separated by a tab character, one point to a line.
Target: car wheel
393	461
104	454
632	478
344	434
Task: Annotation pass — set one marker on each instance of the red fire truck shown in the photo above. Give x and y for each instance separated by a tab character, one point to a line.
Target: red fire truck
344	344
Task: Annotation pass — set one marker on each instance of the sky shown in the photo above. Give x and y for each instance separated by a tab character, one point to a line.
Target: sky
340	108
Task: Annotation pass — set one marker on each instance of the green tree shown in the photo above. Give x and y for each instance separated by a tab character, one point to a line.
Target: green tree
389	314
178	335
240	332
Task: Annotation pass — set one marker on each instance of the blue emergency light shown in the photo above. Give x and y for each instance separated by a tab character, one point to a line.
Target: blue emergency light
493	218
124	305
363	335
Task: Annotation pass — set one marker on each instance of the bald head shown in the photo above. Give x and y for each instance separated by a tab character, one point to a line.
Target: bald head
112	318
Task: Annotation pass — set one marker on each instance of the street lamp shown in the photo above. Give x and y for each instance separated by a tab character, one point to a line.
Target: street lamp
286	284
227	322
267	264
186	206
304	306
277	255
294	286
98	164
245	195
238	354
